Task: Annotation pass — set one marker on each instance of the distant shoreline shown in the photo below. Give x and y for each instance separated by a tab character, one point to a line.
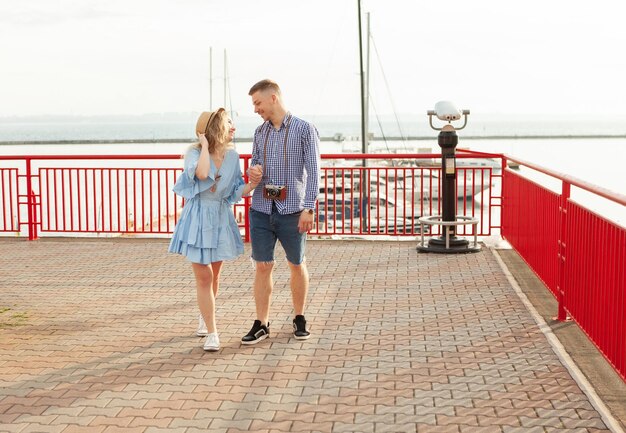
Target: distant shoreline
335	139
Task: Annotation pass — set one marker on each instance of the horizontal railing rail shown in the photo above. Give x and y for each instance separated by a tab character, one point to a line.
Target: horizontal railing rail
577	253
132	194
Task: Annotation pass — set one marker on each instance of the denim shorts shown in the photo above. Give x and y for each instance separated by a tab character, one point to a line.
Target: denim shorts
266	229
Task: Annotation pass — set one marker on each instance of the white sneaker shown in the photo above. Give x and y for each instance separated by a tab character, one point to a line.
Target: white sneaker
201	331
212	342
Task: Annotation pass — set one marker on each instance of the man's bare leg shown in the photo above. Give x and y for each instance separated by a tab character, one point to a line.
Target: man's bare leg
299	286
263	286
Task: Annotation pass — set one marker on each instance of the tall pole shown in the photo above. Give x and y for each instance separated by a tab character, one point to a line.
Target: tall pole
363	131
210	78
366	91
364	174
227	93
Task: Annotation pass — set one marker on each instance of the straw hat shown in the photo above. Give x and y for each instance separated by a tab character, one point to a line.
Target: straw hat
203	121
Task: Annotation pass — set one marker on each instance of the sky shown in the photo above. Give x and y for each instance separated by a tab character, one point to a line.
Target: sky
117	57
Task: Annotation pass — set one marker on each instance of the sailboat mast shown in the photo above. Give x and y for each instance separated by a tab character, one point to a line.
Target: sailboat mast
366	92
363	130
225	77
210	78
364	175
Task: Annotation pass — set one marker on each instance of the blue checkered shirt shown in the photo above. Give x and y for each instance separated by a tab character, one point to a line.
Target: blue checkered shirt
301	176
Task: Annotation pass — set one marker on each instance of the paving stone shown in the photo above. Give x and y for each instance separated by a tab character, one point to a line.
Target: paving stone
259	425
81	429
536	429
353	427
282	416
164	430
481	429
224	423
39	428
73	419
586	423
425	428
189	423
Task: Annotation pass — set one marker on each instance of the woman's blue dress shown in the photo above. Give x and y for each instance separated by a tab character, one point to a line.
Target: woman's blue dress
207	231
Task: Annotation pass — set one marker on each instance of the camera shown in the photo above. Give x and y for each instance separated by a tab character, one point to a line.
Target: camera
275	192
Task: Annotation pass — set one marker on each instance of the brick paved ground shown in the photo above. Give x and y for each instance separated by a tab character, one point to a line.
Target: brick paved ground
98	336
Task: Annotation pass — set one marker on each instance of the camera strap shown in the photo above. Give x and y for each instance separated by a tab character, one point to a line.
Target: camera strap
267	137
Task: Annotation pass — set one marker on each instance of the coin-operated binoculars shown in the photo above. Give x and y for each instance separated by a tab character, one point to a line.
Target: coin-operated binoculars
448	242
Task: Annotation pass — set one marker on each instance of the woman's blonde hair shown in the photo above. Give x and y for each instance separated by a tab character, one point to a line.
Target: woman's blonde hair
214	126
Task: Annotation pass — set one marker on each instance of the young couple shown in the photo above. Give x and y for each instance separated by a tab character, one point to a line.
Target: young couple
284	176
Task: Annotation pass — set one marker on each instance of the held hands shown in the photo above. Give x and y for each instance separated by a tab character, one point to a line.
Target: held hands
255	174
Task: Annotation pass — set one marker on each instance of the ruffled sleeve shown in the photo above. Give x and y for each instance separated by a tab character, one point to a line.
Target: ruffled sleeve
238	185
188	185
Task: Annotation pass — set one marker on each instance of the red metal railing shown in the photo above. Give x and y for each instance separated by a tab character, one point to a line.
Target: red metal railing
115	196
384	199
9	198
131	194
578	254
530	223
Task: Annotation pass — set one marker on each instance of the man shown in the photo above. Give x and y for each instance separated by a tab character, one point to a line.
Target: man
283	205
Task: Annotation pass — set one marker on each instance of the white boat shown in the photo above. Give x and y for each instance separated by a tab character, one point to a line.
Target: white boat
411	183
425	184
352	211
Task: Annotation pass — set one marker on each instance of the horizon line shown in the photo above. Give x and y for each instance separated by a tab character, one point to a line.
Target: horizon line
348	138
611	116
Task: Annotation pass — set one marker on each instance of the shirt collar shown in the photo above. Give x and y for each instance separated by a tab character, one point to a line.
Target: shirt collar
287	119
284	123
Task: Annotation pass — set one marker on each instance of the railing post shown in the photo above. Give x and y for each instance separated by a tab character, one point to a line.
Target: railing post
565	194
504	163
30	204
247	202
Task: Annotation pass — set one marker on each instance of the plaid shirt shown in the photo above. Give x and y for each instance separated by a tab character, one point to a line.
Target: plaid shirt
301	174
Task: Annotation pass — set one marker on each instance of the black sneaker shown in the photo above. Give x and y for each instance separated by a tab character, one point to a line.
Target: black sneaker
299	328
257	333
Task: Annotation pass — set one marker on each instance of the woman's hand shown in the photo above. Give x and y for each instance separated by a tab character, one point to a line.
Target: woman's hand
204	161
255	174
203	141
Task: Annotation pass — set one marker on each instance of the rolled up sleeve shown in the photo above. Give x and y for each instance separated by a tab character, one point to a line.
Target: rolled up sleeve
311	151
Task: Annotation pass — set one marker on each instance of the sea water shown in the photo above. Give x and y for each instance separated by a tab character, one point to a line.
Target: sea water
598	158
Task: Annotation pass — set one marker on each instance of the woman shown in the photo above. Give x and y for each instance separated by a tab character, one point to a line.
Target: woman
207	232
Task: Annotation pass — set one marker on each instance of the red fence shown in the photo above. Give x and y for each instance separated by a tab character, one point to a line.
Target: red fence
579	255
86	195
104	194
106	200
9	220
388	196
530	222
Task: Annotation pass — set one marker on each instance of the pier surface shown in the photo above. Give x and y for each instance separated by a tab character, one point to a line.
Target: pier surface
97	335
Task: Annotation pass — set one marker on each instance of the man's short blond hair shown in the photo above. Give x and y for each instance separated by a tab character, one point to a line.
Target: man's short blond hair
264	85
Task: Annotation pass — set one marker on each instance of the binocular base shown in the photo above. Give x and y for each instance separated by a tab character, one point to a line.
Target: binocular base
455	246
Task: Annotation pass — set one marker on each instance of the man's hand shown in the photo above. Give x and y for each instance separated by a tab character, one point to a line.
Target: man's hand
305	223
